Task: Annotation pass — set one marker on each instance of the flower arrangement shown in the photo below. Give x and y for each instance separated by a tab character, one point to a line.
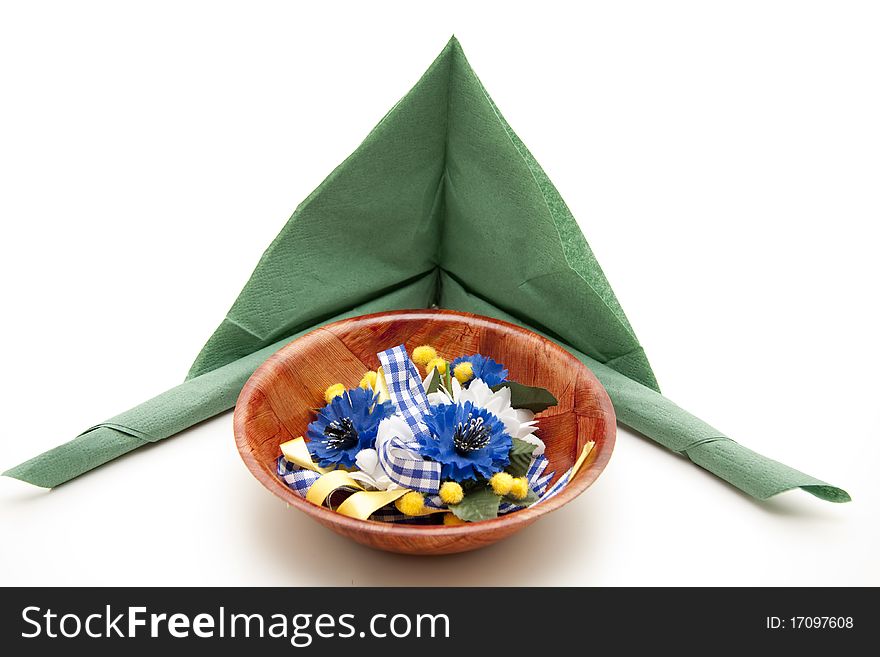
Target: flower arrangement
452	444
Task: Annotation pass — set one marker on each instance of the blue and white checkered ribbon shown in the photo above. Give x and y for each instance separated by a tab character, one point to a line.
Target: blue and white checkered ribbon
405	466
400	458
561	483
540	484
298	479
405	388
390	514
536	478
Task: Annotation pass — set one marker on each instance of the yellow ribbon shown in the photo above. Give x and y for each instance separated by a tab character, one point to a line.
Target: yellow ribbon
365	503
585	452
329	482
382	387
360	505
296	451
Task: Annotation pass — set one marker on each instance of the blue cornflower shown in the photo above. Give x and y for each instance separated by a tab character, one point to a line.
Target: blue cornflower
468	442
485	368
345	426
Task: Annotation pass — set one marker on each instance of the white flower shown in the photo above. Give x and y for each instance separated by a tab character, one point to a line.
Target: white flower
519	422
394	426
370	472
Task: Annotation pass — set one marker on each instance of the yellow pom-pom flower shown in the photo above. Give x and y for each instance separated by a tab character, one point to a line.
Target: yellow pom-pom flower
437	362
451	492
451	520
411	504
424	354
520	488
369	381
336	390
501	483
464	372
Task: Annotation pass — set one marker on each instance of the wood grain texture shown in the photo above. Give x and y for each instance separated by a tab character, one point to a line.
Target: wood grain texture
279	400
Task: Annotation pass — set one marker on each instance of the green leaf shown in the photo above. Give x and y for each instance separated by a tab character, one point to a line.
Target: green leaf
520	457
528	500
532	398
521	446
434	384
478	504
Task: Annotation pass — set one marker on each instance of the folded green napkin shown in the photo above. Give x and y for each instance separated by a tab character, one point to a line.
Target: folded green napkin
442	205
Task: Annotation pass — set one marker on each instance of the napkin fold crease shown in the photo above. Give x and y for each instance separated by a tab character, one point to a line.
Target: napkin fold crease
441	205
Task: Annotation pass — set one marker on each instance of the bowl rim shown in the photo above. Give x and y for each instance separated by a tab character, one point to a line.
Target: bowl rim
588	473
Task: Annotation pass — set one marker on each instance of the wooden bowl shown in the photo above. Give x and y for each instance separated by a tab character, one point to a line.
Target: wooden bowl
278	401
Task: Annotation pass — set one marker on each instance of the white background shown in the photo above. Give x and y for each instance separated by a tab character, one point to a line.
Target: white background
722	158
